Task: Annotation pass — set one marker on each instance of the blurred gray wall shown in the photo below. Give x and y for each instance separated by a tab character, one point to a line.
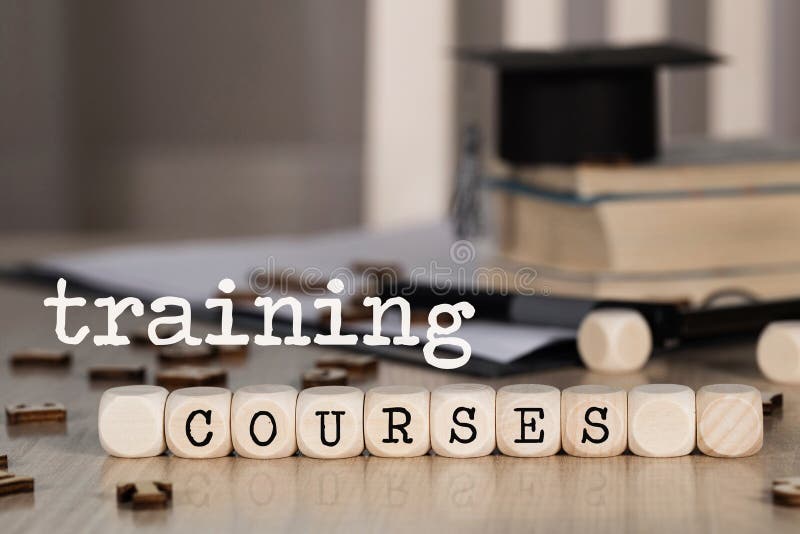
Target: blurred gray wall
187	117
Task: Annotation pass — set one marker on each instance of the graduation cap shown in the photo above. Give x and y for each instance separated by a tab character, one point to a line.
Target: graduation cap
581	104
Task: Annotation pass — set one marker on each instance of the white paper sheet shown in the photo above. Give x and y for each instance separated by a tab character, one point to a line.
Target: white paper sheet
192	269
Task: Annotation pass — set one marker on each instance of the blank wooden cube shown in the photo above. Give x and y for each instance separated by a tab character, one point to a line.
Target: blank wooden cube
730	420
396	421
263	421
528	420
778	352
130	421
198	422
594	421
661	420
463	420
330	422
614	340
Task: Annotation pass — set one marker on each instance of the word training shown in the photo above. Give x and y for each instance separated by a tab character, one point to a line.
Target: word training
437	335
456	420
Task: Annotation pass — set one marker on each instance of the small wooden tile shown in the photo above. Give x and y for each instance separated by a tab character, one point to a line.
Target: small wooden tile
5	474
145	494
231	351
351	312
771	401
329	376
140	336
15	484
186	355
3	461
34	413
786	491
189	376
41	358
357	366
118	373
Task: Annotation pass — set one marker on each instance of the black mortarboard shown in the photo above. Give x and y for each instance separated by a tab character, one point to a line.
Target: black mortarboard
581	104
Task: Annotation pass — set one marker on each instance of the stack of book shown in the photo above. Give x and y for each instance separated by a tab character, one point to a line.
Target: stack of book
699	224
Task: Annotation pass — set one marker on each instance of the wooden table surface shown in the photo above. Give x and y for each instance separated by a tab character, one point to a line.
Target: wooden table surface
75	480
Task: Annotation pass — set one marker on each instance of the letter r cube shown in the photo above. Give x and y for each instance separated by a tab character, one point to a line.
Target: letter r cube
396	421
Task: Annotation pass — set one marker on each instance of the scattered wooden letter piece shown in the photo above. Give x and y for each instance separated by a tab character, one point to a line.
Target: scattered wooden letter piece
41	358
5	474
357	366
145	494
329	376
141	337
34	413
187	376
186	355
231	351
119	373
3	461
786	491
15	484
771	401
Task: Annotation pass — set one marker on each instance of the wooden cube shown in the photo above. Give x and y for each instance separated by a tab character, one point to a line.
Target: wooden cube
198	422
778	352
614	340
396	421
730	420
130	421
330	422
594	421
661	420
263	421
463	420
528	420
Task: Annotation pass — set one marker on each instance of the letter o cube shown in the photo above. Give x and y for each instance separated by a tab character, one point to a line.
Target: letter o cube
594	421
263	421
198	422
130	421
463	420
528	420
330	422
396	421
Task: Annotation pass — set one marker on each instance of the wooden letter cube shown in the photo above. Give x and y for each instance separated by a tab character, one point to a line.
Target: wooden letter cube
778	352
396	421
330	422
262	421
130	421
594	421
462	420
198	422
614	340
528	420
730	420
661	420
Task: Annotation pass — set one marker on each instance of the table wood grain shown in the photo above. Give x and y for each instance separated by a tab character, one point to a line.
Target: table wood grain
75	480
